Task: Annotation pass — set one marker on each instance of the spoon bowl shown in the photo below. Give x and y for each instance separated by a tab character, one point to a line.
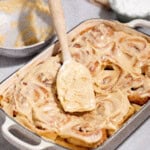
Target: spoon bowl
74	82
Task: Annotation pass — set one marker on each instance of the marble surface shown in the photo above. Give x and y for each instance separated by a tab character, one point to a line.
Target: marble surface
76	12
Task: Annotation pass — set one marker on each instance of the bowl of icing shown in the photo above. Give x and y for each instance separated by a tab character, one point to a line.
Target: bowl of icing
24	24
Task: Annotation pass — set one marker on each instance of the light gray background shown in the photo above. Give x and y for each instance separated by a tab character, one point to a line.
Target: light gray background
77	11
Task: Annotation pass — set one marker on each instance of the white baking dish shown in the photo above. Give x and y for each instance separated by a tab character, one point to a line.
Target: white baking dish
112	143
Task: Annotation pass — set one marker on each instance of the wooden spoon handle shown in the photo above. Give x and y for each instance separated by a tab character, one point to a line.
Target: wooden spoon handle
60	27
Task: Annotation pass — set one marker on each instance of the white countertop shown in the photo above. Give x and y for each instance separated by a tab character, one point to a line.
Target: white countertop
77	11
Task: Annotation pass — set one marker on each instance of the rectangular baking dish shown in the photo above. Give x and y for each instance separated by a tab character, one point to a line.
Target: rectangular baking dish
39	143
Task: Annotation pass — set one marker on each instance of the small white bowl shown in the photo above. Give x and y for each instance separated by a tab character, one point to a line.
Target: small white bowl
126	13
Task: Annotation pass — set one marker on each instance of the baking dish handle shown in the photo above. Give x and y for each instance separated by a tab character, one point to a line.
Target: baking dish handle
10	124
138	23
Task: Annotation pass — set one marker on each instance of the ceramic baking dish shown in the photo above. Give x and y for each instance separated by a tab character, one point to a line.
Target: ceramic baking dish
11	127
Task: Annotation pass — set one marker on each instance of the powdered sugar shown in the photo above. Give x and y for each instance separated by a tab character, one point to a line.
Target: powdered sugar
135	8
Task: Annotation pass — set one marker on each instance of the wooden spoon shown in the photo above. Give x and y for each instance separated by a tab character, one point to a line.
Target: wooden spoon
74	81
